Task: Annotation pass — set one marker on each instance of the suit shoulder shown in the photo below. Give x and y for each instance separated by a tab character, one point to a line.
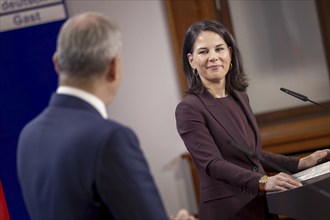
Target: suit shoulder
117	127
189	100
190	105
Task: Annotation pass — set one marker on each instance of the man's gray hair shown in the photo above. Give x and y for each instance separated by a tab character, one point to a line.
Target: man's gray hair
86	45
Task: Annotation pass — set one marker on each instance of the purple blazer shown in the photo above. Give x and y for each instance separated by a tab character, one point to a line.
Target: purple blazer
229	178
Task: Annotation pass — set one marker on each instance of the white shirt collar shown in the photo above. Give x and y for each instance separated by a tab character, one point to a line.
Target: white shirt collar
86	96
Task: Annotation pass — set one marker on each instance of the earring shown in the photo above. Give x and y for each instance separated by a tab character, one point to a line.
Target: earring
195	72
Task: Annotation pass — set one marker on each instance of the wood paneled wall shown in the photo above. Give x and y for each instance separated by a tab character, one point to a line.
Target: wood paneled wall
297	131
323	8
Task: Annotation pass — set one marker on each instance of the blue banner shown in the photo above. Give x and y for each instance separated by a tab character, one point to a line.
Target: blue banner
28	31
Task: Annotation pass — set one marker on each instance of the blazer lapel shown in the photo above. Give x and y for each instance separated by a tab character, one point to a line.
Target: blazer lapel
251	118
217	111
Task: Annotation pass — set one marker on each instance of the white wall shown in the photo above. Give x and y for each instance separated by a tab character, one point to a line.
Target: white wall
149	92
281	45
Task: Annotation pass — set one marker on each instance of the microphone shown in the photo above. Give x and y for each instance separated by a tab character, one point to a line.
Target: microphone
294	94
301	97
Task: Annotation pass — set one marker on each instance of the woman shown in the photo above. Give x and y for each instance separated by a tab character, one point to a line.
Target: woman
216	113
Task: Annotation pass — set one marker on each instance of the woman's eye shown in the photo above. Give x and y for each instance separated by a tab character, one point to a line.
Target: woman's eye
202	52
219	49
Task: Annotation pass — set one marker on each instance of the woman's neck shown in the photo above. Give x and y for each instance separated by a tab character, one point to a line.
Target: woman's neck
217	90
218	93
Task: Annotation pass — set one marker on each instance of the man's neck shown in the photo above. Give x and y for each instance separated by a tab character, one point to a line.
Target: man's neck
90	98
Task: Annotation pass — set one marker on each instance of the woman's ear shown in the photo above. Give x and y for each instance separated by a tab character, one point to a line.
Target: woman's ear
190	60
231	52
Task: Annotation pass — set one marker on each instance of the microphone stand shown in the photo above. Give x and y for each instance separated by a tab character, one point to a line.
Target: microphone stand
252	154
318	104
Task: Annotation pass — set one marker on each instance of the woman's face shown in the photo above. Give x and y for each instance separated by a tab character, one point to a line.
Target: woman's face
211	57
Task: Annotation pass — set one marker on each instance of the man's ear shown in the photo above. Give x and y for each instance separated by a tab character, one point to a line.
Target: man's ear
113	71
55	62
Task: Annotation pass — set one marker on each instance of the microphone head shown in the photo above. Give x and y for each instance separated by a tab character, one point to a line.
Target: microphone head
294	94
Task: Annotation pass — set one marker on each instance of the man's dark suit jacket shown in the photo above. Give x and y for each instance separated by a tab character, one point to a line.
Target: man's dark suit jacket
228	177
73	164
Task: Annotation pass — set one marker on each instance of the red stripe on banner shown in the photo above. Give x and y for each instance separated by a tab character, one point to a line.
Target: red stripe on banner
4	215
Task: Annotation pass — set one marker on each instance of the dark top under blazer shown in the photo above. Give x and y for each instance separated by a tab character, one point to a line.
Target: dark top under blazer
228	177
73	164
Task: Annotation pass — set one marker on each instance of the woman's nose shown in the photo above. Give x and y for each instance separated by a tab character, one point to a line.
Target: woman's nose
213	56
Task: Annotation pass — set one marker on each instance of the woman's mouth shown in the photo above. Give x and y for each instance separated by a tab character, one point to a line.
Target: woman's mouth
214	67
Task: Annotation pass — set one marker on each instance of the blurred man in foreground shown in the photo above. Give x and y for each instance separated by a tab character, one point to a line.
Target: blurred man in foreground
73	161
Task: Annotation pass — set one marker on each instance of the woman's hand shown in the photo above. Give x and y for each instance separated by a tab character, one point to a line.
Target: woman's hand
314	158
280	182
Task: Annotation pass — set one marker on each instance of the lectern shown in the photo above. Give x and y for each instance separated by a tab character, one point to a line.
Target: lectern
308	202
